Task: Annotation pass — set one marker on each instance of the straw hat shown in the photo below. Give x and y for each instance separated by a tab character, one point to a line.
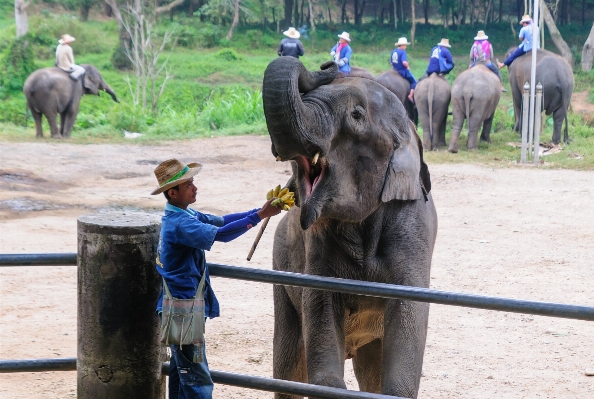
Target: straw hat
525	18
172	172
481	35
66	39
402	41
292	33
345	36
444	43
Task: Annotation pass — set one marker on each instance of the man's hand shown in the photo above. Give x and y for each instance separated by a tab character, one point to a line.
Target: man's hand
268	210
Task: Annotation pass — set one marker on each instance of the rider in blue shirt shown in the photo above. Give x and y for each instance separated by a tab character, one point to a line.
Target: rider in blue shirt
440	56
342	52
185	235
399	61
526	36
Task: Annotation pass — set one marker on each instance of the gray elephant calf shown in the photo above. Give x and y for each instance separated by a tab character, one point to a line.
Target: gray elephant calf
432	97
475	95
363	212
50	91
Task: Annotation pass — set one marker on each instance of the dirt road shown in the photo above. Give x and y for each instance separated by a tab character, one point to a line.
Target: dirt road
512	232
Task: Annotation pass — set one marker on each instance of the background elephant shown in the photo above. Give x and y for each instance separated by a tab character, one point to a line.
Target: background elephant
475	95
432	98
363	212
556	77
401	87
360	73
50	91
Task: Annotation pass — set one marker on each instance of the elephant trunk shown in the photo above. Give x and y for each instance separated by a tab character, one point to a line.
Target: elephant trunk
293	123
110	91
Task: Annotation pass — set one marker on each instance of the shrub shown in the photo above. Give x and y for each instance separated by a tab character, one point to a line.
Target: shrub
239	107
228	54
18	62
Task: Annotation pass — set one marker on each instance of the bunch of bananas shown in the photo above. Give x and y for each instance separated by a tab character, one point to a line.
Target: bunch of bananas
285	199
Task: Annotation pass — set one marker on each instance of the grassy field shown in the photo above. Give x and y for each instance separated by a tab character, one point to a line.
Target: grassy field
216	88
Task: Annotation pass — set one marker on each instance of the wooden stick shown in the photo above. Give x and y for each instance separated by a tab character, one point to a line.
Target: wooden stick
257	240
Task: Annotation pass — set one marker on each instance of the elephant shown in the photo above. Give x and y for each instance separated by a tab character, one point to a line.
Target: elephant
401	87
432	97
361	73
556	77
363	211
475	95
50	91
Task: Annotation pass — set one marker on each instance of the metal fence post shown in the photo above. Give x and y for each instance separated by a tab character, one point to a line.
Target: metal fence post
118	288
525	105
537	120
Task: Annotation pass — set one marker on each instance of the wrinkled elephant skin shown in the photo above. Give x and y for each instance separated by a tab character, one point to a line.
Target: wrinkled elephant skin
364	212
475	95
401	87
556	77
432	98
51	92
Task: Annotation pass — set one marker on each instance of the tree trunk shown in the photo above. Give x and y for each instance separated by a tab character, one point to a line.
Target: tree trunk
296	14
302	13
556	35
235	20
500	11
343	12
85	7
413	27
168	7
329	16
20	16
588	52
393	14
311	16
288	14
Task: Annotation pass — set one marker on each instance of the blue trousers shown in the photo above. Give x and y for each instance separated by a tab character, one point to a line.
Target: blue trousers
188	380
406	74
519	51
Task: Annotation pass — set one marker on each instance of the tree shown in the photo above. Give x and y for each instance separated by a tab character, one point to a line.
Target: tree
20	16
588	52
555	34
235	19
413	27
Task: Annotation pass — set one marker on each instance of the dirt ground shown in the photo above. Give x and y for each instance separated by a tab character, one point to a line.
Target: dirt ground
512	232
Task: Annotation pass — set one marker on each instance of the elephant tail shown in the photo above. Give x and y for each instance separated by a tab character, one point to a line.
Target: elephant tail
467	104
430	107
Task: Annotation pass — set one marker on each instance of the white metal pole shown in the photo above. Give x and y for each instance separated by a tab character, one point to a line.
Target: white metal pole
537	120
535	41
525	102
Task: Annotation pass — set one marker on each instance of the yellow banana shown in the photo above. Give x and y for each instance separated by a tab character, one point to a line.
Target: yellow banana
269	195
276	191
277	202
286	197
283	192
286	207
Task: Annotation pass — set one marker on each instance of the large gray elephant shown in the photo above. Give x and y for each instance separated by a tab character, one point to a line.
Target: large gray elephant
475	95
432	97
51	92
363	212
401	87
556	77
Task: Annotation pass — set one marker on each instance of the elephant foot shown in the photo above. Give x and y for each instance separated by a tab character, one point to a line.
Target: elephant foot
453	150
57	136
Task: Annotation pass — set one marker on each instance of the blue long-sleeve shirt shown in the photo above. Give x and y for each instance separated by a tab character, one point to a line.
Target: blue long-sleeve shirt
185	235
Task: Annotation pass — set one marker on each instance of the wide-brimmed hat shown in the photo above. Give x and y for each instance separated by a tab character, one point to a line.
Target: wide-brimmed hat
402	41
66	39
172	172
345	36
444	43
292	33
481	35
525	18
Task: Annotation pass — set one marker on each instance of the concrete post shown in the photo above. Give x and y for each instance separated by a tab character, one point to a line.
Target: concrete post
118	288
537	120
525	102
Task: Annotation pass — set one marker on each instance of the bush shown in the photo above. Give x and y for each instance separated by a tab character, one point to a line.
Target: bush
228	54
13	110
239	107
18	62
209	36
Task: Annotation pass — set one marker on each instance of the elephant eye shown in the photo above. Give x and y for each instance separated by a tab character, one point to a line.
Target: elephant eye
358	112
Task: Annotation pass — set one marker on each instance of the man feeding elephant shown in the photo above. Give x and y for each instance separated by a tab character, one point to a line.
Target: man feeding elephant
185	235
65	58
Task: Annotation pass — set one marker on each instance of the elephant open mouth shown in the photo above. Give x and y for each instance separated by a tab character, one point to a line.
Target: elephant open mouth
310	172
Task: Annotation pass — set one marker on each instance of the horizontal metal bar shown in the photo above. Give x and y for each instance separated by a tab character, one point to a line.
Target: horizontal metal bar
403	292
37	365
352	287
61	259
219	377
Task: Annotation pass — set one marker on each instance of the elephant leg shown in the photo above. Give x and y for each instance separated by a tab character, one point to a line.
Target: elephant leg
558	118
62	123
38	123
323	331
51	118
367	366
458	114
442	131
486	133
405	333
288	350
70	118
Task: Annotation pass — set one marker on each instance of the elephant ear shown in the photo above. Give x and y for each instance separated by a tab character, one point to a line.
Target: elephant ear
406	170
91	80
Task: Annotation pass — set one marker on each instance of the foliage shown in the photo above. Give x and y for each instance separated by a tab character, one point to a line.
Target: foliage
18	62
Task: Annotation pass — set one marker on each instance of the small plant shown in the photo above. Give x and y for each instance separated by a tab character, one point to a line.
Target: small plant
18	62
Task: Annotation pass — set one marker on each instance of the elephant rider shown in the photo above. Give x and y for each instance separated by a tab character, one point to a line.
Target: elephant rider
526	36
65	58
342	52
481	52
185	235
291	46
399	61
441	61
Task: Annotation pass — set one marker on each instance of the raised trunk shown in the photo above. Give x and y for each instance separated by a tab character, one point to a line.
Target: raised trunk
588	52
290	122
556	35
